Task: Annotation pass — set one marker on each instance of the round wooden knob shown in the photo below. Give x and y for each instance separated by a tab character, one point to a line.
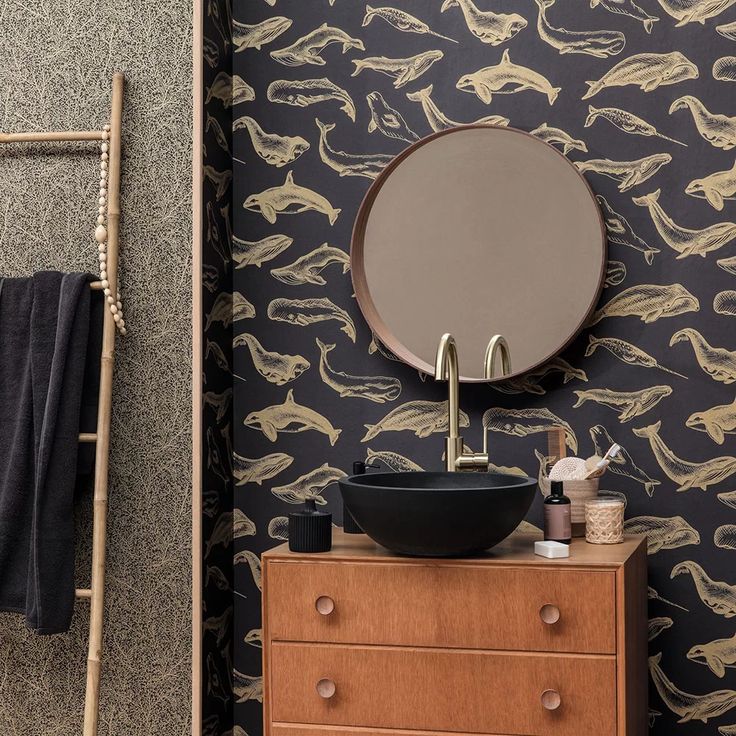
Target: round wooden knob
324	605
326	688
551	699
549	614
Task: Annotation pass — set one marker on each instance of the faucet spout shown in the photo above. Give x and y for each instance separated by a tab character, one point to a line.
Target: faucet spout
446	369
497	344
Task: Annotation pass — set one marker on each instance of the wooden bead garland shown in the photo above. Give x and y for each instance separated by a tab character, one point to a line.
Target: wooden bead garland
114	303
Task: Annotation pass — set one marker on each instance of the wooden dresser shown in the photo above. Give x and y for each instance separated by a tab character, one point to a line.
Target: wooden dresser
362	642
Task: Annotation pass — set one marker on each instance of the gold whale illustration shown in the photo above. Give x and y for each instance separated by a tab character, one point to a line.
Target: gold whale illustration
257	470
629	8
305	312
309	486
687	474
627	173
727	730
388	121
401	21
657	625
647	71
379	389
229	308
626	121
220	179
724	69
717	422
719	130
717	655
727	264
290	417
274	367
557	136
242	525
309	92
694	11
253	562
307	49
595	43
213	126
222	533
529	382
718	363
222	89
715	188
629	404
257	252
523	422
307	269
662	532
219	402
247	687
369	165
290	199
438	120
255	36
728	498
622	464
242	91
718	596
421	417
493	80
488	27
649	302
278	528
402	71
626	353
274	149
681	239
689	707
725	536
652	595
619	231
392	460
724	302
615	273
213	349
727	30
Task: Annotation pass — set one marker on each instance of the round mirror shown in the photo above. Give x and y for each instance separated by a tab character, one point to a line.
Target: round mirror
476	231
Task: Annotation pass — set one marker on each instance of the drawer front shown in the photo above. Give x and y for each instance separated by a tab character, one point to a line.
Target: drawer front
442	690
513	608
284	729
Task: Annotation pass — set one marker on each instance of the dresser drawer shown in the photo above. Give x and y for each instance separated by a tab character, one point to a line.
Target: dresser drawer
515	608
443	690
289	729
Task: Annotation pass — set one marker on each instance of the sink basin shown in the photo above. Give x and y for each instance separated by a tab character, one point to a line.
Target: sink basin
438	514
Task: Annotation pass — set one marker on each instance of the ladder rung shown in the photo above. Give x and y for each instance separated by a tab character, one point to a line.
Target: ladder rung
53	136
83	593
95	285
88	437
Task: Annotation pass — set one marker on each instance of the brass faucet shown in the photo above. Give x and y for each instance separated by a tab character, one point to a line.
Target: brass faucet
446	369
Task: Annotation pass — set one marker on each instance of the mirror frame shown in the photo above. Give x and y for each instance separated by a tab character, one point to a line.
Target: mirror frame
381	331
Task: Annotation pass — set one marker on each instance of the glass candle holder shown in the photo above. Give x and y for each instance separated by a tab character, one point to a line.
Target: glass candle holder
604	521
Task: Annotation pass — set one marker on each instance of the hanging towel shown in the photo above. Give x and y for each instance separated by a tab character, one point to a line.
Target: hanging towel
50	332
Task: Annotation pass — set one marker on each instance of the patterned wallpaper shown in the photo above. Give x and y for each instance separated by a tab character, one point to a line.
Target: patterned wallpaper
640	96
217	379
56	70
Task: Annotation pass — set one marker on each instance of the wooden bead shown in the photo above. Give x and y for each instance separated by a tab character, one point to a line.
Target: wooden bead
105	282
104	148
101	234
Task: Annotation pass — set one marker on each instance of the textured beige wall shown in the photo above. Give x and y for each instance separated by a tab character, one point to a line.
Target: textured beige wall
56	63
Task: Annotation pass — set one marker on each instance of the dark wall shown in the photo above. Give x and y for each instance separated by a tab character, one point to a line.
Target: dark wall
217	386
692	532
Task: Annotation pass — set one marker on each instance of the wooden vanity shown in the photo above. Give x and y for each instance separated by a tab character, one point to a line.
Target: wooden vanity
362	642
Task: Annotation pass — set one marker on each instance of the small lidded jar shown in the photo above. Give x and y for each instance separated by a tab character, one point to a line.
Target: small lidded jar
604	521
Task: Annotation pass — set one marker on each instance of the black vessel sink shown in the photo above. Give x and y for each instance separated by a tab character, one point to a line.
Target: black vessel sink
438	514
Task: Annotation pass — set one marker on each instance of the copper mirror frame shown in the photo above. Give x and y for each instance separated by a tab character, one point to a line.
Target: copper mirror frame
383	331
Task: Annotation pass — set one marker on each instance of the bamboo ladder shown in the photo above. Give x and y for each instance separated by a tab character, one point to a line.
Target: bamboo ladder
95	594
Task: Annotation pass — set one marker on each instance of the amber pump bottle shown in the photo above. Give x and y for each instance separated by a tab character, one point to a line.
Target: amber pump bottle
557	521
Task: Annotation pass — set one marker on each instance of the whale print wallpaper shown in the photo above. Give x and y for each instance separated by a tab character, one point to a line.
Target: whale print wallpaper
641	97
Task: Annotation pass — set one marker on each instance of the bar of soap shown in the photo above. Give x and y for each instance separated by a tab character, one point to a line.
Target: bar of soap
551	549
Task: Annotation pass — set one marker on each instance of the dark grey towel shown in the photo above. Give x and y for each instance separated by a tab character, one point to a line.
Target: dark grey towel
49	349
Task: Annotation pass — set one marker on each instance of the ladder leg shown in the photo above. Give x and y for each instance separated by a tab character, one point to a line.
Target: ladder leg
102	450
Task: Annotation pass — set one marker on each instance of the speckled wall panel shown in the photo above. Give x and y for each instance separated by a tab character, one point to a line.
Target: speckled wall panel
57	63
218	309
644	103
